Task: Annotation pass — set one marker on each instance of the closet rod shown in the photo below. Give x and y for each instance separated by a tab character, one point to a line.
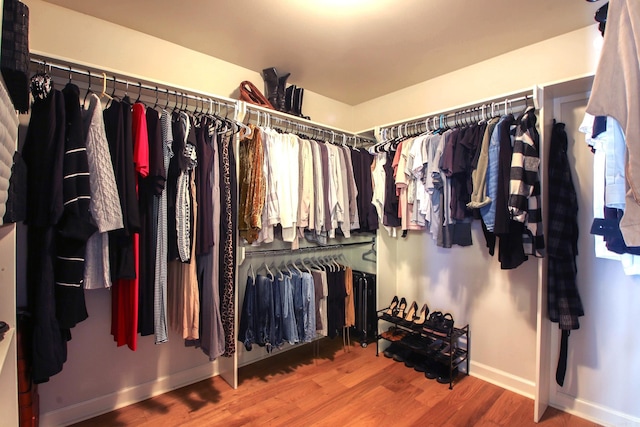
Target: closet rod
256	114
272	252
134	83
267	117
490	107
465	115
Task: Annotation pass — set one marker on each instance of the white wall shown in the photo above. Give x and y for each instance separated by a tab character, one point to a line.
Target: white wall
63	33
559	58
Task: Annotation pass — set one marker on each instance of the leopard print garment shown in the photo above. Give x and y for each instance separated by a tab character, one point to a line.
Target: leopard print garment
228	242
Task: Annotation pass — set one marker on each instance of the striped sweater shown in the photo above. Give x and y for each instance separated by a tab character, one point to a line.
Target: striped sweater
76	224
524	186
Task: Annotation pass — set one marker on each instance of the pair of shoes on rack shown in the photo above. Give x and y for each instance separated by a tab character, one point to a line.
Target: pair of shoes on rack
415	341
439	324
391	312
397	352
420	319
414	360
394	334
402	354
440	372
410	317
447	376
390	335
390	351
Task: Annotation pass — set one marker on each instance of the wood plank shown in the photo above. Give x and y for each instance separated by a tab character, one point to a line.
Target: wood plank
338	388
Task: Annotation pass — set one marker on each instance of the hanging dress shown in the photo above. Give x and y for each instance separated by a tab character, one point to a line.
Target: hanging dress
229	207
161	332
43	152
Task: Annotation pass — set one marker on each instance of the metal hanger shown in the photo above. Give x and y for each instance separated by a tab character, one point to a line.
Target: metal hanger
88	90
139	92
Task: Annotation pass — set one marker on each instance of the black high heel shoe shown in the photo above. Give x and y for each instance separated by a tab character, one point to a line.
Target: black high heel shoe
399	314
390	311
407	320
420	320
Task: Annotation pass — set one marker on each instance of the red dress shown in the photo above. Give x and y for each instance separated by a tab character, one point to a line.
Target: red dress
124	326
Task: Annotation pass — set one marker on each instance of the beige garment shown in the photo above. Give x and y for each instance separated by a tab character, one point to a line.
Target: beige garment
345	224
319	189
349	303
615	93
306	199
324	309
479	175
183	297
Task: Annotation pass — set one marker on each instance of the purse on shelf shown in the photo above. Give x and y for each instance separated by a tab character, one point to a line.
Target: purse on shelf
251	94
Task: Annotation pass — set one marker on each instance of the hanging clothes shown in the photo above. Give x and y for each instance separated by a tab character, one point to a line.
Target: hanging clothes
349	306
178	138
336	302
306	196
126	290
211	329
248	329
308	307
391	202
204	198
76	226
183	293
479	197
563	299
160	322
43	153
117	120
105	202
366	219
252	185
319	284
615	93
149	187
229	203
318	231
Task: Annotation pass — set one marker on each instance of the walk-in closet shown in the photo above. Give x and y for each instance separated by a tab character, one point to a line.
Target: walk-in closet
331	213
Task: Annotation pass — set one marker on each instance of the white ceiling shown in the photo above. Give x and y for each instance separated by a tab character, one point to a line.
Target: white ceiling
348	50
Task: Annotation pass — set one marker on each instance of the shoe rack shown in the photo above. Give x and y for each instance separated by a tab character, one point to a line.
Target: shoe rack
424	343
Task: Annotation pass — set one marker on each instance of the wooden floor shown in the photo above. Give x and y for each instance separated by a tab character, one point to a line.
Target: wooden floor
338	388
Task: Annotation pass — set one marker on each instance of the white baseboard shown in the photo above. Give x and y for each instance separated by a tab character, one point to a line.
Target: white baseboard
503	379
110	402
592	411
